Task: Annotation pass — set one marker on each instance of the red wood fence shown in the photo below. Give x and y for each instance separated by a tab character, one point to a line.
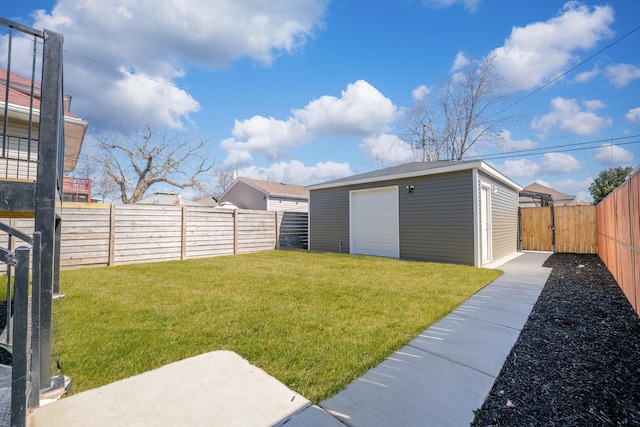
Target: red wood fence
618	218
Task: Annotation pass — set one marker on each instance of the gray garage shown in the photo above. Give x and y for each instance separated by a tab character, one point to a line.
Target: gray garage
459	212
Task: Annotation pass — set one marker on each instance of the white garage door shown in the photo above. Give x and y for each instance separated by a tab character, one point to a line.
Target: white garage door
374	222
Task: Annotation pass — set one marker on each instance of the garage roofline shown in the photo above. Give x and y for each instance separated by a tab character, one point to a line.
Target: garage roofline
413	170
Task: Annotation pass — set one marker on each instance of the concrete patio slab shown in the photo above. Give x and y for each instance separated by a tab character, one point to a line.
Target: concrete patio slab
217	388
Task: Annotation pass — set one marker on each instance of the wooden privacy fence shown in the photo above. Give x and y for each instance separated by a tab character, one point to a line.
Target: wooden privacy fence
104	235
619	237
573	228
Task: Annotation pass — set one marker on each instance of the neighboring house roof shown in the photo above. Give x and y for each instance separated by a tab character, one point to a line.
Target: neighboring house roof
20	101
415	169
207	201
167	198
274	189
555	194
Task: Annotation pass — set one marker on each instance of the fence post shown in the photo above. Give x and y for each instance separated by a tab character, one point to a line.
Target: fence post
183	234
277	216
235	231
112	232
19	359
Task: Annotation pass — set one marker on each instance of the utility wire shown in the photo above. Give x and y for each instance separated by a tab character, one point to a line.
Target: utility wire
579	64
546	151
543	150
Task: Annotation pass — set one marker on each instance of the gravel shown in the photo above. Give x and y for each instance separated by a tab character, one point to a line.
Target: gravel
577	360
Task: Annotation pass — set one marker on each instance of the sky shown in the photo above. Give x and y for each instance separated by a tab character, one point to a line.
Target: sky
305	91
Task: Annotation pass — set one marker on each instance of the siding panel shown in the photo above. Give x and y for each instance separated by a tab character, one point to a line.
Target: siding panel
504	217
245	196
329	220
436	218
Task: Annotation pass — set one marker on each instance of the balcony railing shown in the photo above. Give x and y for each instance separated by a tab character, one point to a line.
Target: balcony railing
18	158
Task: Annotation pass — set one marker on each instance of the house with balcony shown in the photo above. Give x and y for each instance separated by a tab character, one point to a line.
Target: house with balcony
20	118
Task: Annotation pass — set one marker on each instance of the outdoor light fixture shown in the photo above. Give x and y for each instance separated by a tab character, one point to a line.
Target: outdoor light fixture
410	188
494	189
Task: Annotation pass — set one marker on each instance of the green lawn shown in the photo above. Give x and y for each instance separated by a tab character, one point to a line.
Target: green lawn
314	321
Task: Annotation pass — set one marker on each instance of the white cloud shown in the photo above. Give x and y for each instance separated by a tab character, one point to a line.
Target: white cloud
420	93
155	40
567	114
361	111
538	52
578	188
587	76
461	61
267	136
509	144
549	164
521	168
469	5
620	75
559	163
295	172
633	115
387	150
613	155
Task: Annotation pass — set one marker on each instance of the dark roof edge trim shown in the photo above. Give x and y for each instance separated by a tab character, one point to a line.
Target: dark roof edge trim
479	164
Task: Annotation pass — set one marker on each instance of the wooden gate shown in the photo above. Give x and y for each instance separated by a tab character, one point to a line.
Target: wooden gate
560	229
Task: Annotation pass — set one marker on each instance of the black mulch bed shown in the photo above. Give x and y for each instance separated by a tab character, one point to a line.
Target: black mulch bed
577	360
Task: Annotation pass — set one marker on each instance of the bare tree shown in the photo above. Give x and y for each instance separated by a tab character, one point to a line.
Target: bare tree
102	186
223	177
135	162
460	116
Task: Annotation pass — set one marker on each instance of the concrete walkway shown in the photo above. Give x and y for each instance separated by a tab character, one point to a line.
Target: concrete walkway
445	374
438	379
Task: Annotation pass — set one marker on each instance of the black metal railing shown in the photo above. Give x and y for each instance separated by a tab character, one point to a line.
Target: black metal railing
19	158
20	387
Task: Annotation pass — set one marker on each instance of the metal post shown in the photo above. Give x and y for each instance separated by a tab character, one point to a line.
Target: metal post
19	359
34	401
51	121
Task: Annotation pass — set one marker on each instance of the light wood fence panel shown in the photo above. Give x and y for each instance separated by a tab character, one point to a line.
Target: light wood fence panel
145	233
209	232
534	228
256	231
85	236
575	228
99	234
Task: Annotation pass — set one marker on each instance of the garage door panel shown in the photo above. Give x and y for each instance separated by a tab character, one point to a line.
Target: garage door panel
374	222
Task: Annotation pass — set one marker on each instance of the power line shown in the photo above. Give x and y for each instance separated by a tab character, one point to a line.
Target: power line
544	150
579	64
552	149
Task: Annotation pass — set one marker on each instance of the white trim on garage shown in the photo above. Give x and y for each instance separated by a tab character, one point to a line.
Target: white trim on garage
374	222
